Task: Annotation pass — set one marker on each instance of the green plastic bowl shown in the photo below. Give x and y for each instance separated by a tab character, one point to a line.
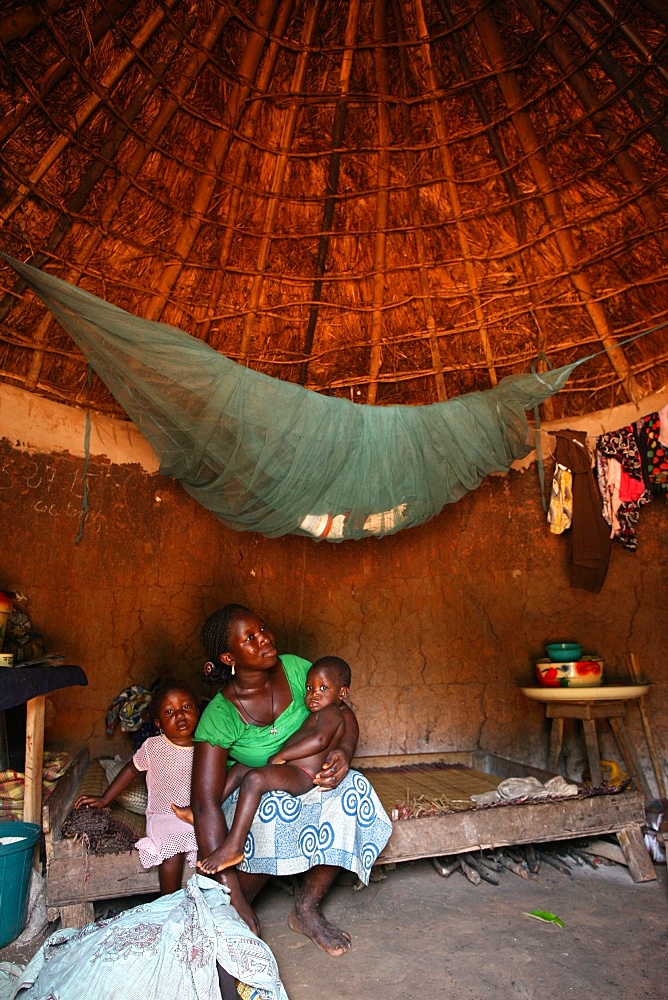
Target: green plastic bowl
564	652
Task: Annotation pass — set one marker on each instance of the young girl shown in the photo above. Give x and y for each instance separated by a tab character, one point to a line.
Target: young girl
295	765
167	760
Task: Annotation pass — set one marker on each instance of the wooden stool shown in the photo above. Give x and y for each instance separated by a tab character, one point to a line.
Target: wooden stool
588	711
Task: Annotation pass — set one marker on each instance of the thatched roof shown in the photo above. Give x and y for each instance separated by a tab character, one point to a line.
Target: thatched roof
397	201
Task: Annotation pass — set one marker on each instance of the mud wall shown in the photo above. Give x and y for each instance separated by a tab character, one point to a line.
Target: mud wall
441	624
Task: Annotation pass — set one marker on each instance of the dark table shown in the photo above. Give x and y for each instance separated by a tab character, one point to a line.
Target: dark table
30	685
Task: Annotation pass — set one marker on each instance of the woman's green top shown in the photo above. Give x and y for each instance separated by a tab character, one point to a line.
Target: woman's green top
221	725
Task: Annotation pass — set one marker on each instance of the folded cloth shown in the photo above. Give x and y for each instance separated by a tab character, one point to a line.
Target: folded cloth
527	788
12	784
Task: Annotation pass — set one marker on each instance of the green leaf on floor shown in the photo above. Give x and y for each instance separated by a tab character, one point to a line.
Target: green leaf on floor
548	918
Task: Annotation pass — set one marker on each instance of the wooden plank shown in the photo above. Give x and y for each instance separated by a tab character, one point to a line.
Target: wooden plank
32	802
647	726
556	743
585	709
630	756
85	879
469	758
593	753
637	856
59	803
531	822
77	916
606	849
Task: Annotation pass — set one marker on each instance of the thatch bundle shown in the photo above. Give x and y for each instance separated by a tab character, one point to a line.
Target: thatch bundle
397	201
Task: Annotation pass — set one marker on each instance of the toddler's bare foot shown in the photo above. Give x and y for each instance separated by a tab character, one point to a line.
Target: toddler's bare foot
184	812
223	857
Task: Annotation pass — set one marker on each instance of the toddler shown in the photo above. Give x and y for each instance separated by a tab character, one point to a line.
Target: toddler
167	760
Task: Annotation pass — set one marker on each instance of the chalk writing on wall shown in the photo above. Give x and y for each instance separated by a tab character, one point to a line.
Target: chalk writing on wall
52	488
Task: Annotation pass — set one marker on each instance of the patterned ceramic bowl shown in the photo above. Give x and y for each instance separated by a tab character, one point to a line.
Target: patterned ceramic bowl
579	673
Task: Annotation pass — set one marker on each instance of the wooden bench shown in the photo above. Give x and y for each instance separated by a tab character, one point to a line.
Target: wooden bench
75	878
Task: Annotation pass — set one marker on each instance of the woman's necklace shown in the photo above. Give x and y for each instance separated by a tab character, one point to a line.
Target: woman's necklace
273	729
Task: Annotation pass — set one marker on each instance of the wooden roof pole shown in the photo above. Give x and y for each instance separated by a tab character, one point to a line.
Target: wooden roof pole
382	197
332	186
279	177
85	110
230	117
453	193
625	85
95	170
416	211
514	197
645	53
537	161
168	109
248	130
76	52
585	90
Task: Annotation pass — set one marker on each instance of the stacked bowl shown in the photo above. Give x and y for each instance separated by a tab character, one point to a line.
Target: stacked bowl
565	667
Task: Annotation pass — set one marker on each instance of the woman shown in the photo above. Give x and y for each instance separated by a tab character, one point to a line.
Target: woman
341	823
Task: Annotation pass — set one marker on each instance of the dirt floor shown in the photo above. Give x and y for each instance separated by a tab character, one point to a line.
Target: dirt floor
417	934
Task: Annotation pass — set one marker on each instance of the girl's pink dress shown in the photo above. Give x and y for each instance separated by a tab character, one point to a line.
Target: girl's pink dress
168	772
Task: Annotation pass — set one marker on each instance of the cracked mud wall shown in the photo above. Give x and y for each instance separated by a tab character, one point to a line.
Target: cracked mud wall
441	624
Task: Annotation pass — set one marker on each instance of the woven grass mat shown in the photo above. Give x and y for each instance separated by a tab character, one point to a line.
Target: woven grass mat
429	788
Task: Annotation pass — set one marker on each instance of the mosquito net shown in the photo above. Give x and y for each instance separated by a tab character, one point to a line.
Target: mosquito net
272	457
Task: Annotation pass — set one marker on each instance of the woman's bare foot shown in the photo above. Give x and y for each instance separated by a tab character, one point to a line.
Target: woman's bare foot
184	812
314	925
220	859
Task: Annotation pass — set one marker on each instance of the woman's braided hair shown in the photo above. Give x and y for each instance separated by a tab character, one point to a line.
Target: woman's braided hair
215	637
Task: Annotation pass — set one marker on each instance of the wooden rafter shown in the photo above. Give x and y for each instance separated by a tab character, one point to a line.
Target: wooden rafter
418	234
382	196
248	130
594	106
450	182
279	177
84	111
537	160
207	183
332	185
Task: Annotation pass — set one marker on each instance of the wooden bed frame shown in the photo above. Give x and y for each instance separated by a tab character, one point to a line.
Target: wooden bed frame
516	823
75	878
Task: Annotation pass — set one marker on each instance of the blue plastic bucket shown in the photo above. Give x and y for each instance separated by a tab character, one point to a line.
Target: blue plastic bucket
17	843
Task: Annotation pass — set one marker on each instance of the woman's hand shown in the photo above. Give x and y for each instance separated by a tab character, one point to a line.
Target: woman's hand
334	770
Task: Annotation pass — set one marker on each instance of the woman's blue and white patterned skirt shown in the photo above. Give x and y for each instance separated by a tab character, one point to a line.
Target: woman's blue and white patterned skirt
345	826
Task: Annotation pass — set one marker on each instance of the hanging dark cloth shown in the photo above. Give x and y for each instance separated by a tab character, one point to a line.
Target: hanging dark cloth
590	541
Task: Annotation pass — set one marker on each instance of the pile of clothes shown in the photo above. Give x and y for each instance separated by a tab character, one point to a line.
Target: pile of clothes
599	497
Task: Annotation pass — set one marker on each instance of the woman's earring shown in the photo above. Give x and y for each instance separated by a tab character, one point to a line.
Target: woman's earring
232	670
